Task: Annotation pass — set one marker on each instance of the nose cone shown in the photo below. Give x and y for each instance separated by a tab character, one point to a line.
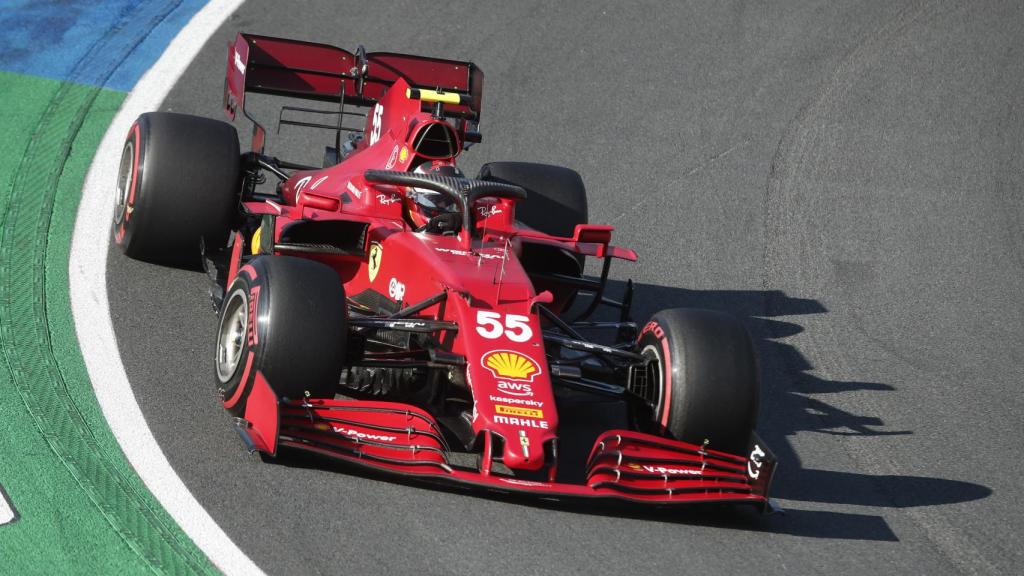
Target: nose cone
525	451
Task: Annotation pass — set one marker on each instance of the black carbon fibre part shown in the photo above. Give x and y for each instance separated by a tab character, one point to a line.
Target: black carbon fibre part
465	191
469	188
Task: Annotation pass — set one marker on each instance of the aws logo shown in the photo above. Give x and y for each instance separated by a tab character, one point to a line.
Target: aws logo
511	365
515	388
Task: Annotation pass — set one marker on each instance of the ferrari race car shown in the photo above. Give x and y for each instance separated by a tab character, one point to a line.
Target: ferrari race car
388	311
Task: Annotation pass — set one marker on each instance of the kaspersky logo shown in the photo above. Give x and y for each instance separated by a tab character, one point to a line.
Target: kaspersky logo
511	365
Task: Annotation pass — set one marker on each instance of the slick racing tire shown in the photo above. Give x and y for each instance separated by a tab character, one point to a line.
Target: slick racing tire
283	317
177	185
701	377
556	202
556	199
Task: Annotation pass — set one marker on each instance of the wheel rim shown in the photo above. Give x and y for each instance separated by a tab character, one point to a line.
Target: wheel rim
653	379
231	335
124	181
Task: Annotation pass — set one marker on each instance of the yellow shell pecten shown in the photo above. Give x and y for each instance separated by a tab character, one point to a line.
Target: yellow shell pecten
511	365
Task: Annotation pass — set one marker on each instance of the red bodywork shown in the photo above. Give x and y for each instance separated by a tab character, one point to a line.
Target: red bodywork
489	297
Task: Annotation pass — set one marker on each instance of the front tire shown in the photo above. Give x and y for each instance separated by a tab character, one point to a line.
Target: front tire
177	186
702	379
284	317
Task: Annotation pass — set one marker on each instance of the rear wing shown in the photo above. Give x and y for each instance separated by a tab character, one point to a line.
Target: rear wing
311	71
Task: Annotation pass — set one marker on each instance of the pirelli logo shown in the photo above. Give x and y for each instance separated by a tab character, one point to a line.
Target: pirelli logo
517	411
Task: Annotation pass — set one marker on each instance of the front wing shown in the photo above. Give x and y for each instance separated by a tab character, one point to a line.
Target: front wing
404	440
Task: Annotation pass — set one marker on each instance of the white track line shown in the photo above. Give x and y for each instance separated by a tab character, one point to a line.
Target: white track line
88	279
7	514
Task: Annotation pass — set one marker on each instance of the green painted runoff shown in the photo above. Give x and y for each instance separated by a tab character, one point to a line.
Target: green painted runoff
81	507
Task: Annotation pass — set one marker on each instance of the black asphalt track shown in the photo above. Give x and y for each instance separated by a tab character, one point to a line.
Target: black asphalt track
845	177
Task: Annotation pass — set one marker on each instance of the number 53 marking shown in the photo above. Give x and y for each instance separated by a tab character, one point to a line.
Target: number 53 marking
515	327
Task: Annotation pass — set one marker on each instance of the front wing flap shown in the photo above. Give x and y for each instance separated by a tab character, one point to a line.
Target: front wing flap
652	468
623	465
386	434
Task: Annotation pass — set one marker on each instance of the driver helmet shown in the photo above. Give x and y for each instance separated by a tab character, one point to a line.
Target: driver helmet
430	203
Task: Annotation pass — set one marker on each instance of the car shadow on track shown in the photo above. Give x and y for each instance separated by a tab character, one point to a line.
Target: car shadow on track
791	402
793	522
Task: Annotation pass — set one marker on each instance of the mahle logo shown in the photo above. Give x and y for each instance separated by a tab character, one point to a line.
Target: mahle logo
511	365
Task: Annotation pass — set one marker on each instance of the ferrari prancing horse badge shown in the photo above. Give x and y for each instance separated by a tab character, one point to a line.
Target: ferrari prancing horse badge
373	265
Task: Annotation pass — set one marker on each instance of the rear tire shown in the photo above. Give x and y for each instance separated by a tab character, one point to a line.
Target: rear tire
556	198
703	378
177	185
298	341
556	202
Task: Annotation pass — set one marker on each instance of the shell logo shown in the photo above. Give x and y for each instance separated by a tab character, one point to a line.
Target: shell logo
511	365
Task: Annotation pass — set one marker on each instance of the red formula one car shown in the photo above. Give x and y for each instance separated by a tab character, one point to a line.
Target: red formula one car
390	312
